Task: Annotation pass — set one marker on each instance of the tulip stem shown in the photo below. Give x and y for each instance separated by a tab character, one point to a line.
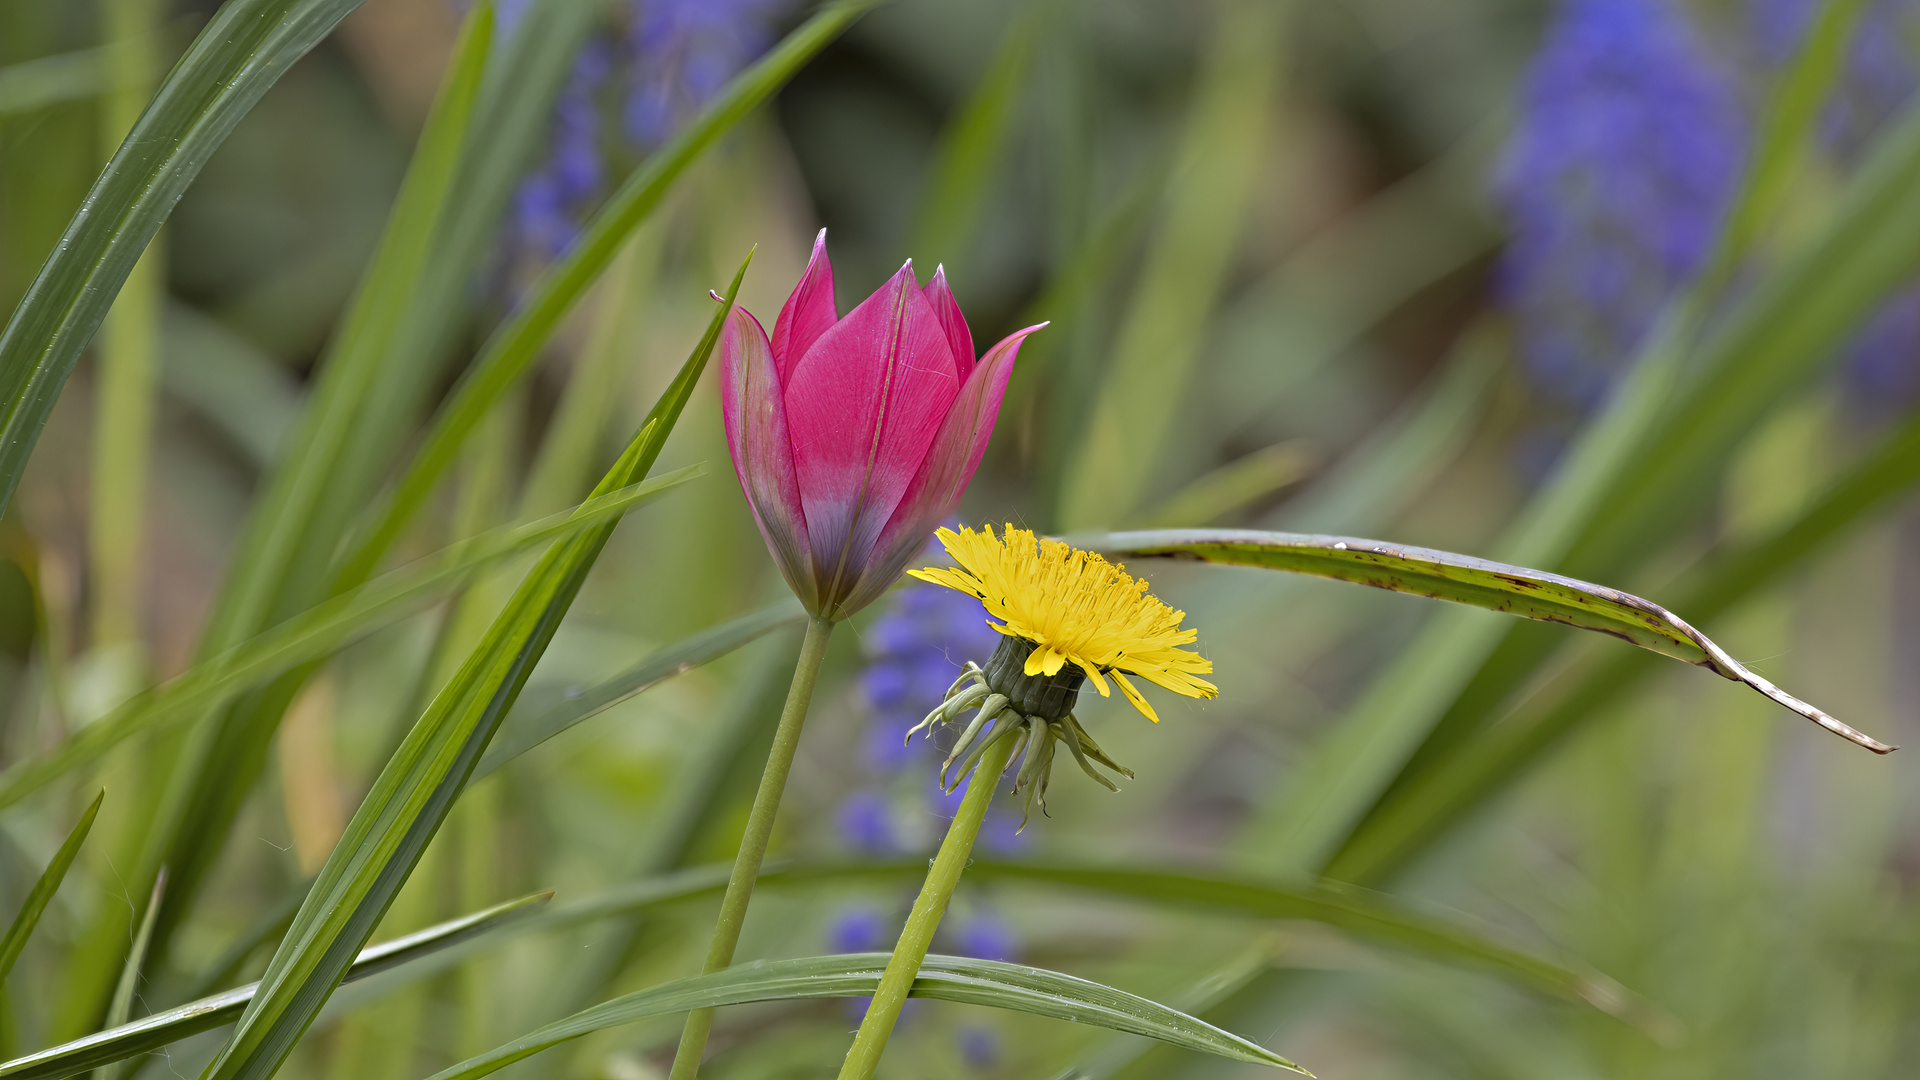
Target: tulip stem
942	877
753	845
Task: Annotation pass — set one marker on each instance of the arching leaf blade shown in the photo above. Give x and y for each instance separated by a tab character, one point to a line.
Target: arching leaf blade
1464	579
947	978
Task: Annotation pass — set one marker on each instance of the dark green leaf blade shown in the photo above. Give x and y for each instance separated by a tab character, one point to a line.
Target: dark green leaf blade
1463	579
414	793
148	1033
244	49
318	632
947	978
43	889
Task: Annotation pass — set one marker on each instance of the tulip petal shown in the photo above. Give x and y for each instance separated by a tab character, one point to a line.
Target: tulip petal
863	405
755	413
808	312
946	471
959	338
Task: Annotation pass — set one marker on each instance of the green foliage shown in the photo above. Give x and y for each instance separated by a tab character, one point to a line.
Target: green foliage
382	681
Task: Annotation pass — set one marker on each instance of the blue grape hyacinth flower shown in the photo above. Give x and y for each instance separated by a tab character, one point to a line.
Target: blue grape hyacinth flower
1629	144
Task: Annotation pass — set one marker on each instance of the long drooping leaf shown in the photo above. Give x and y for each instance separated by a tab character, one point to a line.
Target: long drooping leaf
317	633
242	52
1686	390
42	893
151	1032
1463	579
413	794
515	346
945	978
525	730
1478	772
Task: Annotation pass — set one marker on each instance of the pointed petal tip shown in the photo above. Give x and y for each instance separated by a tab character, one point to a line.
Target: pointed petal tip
716	296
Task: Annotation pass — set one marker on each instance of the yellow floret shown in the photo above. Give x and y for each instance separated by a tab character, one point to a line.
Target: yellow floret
1077	608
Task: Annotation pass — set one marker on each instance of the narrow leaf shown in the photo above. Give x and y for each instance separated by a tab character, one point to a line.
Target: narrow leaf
152	1032
317	633
43	890
947	978
414	793
244	49
1463	579
525	730
511	351
122	1005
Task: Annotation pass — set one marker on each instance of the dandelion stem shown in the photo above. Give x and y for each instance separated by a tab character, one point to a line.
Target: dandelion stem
753	845
931	904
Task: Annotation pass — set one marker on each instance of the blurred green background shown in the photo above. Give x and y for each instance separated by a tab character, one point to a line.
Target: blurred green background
1616	288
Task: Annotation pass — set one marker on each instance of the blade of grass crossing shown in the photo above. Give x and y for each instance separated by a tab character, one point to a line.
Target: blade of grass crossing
1360	758
213	1010
947	978
244	49
1477	773
29	914
122	1006
1440	575
417	788
1164	331
315	633
515	346
971	148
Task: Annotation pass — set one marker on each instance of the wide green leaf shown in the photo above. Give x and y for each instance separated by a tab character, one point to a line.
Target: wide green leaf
244	49
945	978
43	889
319	632
1463	579
152	1032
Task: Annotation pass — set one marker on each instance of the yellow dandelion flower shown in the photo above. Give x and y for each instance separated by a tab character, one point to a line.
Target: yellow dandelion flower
1074	607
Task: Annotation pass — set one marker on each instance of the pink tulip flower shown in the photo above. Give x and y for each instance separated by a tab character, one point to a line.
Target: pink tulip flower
855	437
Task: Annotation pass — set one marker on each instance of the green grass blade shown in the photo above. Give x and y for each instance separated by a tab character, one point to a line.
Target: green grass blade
1119	1051
1186	266
36	903
1367	916
526	729
287	512
515	346
1439	798
122	1005
317	633
152	1032
946	978
416	790
50	80
245	48
1463	579
1652	432
972	145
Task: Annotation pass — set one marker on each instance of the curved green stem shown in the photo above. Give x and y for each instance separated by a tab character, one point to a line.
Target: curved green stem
931	904
753	845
